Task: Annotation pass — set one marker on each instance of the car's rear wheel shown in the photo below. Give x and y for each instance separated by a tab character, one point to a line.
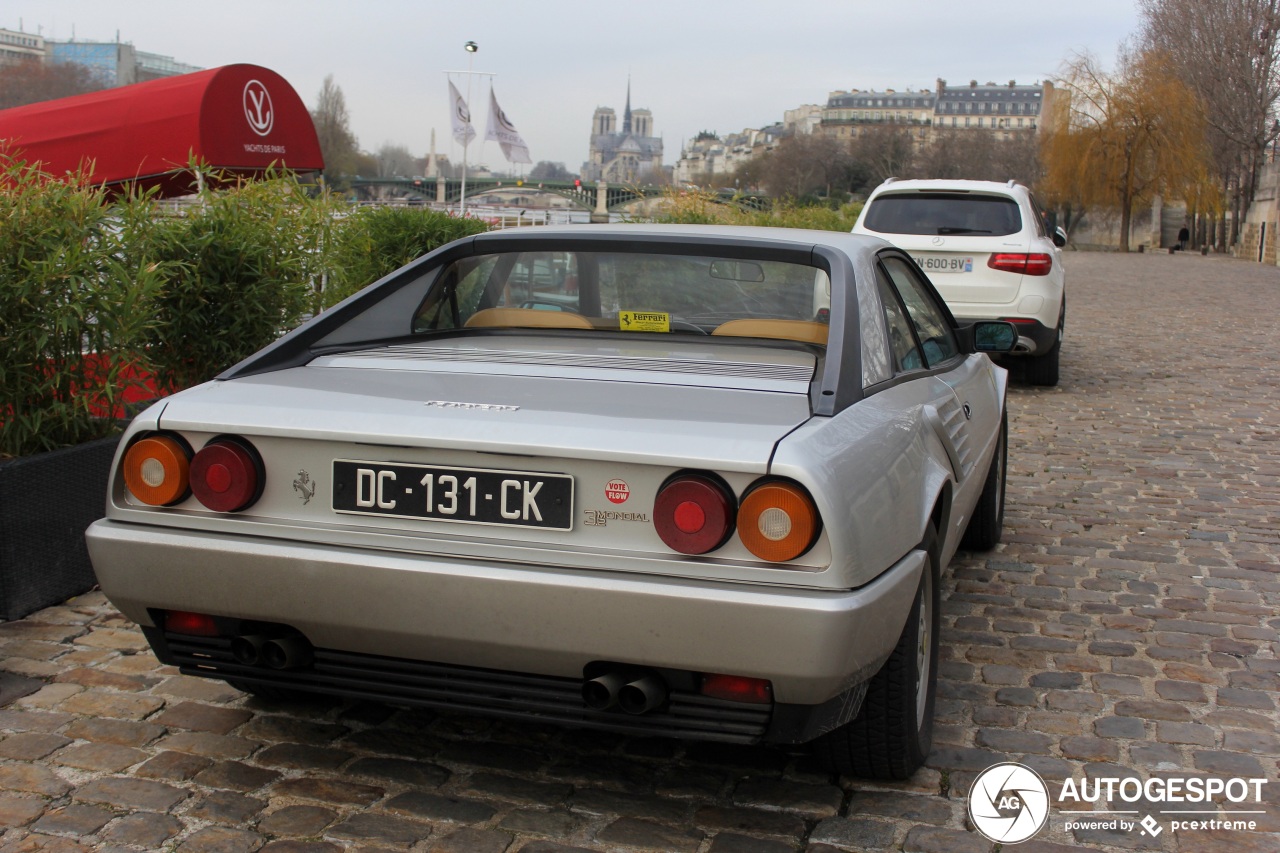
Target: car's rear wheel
891	736
1043	369
987	522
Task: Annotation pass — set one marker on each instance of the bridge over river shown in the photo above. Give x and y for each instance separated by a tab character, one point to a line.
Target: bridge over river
601	198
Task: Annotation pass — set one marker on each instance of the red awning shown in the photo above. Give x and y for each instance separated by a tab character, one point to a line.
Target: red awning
240	119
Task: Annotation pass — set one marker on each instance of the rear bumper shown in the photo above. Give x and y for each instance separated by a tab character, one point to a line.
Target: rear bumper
492	693
813	645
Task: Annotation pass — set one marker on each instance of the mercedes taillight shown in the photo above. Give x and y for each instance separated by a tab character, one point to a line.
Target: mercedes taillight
1033	263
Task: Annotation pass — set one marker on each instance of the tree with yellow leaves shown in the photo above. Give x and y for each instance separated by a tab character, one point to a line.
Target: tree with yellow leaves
1115	140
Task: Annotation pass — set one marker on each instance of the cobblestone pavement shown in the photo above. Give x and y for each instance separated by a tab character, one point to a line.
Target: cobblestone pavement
1127	626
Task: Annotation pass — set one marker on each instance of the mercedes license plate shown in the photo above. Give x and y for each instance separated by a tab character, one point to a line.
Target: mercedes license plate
944	263
468	495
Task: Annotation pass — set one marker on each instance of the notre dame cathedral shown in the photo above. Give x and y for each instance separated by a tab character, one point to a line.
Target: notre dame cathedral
630	155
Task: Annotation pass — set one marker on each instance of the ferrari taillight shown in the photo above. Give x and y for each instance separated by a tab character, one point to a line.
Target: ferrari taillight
736	688
191	624
693	514
1034	263
157	469
777	521
227	475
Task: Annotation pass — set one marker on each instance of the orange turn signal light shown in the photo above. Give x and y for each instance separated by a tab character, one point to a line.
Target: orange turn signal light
157	470
777	521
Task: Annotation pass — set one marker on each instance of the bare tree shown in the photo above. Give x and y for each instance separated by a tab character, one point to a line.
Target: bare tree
333	127
958	154
1227	53
395	161
883	151
31	81
980	155
545	170
804	165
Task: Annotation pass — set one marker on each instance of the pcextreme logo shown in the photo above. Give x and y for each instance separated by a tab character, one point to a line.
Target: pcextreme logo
1010	803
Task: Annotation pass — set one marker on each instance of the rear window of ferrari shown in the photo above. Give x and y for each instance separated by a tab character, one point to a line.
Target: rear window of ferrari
943	214
622	291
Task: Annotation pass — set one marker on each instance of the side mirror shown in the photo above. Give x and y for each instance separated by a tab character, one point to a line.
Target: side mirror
994	336
1059	237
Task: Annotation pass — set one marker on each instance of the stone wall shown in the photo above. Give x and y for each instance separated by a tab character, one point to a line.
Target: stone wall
1100	230
1261	226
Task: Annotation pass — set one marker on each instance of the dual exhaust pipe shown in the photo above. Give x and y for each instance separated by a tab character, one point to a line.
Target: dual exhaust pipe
635	695
288	652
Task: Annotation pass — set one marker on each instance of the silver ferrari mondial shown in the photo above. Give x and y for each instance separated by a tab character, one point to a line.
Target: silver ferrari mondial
694	482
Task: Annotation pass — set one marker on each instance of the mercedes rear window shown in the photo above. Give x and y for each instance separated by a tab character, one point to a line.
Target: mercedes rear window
943	213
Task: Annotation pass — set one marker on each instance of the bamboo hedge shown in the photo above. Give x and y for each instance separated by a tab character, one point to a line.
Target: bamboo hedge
75	304
99	294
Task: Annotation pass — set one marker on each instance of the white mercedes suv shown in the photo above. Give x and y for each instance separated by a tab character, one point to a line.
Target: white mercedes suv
989	252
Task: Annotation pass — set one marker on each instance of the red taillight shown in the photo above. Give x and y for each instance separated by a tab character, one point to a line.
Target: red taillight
191	624
226	475
693	514
1035	263
736	688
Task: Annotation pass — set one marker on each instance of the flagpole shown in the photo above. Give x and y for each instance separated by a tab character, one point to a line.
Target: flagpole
471	48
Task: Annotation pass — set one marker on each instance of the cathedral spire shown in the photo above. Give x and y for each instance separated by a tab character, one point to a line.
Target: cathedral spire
626	115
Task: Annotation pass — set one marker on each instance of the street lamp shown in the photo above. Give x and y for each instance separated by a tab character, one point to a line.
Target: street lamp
471	48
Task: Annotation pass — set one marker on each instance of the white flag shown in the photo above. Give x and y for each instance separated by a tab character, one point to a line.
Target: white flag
462	129
502	131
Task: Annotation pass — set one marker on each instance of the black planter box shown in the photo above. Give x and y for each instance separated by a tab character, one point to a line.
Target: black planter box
46	502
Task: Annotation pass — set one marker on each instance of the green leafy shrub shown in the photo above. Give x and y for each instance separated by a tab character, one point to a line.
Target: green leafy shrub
241	267
98	295
74	307
374	241
699	207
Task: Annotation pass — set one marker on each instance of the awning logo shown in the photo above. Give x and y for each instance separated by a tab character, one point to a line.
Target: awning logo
1008	803
257	108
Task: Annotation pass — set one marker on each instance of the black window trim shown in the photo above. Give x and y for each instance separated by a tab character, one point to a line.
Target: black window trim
900	376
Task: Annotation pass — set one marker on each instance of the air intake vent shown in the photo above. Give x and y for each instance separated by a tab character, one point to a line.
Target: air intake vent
953	420
572	364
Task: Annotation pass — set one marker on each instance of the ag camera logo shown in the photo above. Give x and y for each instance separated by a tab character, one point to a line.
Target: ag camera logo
1008	803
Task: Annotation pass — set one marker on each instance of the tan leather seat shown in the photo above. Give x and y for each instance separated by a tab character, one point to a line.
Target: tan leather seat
526	318
805	331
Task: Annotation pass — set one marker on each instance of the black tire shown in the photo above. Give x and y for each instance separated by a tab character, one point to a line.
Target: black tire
1042	370
986	525
892	734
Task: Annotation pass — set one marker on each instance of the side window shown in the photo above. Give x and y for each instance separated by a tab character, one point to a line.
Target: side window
1042	221
546	281
906	353
929	320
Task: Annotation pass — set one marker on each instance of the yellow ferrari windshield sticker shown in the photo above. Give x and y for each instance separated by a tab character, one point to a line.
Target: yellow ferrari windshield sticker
644	321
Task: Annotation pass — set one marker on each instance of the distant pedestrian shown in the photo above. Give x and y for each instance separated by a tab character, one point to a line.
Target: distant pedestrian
1183	236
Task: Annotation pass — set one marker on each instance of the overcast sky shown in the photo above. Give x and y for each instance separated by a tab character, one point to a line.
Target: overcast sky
718	65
